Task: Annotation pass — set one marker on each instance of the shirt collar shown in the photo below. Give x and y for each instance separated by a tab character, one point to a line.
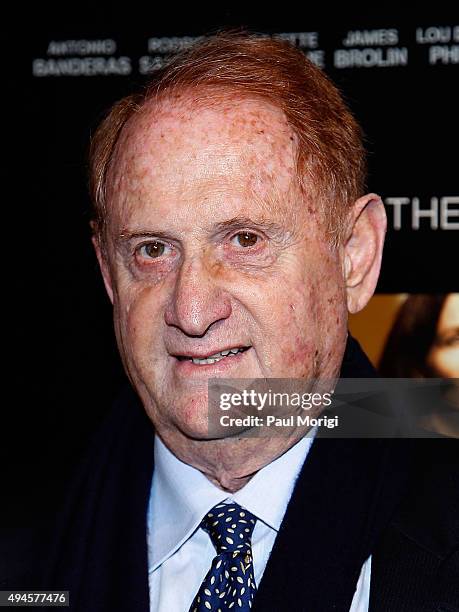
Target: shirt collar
181	495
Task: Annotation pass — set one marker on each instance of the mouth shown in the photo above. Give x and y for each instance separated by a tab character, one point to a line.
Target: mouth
214	357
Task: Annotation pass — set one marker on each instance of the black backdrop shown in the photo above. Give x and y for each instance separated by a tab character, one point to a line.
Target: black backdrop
399	75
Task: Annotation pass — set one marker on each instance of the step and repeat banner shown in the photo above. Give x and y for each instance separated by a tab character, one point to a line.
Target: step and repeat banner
399	77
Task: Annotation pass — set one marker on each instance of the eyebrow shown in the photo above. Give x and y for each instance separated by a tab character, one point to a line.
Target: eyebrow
126	235
231	224
243	222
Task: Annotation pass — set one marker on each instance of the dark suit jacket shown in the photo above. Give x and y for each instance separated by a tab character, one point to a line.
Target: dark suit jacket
395	499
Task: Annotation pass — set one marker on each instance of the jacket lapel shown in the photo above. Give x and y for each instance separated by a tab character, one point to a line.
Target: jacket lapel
343	499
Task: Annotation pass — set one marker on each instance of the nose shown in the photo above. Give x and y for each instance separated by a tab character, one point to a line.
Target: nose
198	301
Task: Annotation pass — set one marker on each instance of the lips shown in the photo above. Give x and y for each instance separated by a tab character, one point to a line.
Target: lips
208	359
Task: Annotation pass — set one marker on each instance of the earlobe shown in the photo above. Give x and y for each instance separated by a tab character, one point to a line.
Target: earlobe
363	250
103	265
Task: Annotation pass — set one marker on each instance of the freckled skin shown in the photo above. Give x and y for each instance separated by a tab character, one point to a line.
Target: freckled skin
177	173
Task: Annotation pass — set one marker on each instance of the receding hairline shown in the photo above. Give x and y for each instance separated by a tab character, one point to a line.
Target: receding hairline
185	105
331	156
186	102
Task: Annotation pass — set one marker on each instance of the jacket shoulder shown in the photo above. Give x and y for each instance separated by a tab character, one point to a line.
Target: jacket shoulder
416	562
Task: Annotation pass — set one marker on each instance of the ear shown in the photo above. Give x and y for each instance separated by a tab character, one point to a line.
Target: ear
103	264
363	250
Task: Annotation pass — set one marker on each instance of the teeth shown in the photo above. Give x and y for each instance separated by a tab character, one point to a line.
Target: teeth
206	361
216	357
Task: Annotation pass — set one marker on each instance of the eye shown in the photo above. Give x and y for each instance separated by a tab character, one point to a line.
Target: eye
245	239
450	340
152	250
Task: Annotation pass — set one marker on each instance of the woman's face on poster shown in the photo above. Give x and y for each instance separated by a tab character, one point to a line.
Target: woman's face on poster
443	356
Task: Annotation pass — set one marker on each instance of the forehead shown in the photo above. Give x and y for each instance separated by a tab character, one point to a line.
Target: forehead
234	149
450	313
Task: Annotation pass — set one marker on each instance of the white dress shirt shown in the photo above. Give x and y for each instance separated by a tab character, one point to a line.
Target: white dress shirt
180	553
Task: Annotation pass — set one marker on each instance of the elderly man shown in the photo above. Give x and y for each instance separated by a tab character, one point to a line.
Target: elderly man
233	239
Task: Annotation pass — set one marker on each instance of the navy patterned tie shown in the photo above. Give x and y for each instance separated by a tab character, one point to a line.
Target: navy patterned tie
230	583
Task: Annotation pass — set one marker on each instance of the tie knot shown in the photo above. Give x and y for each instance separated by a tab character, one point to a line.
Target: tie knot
230	527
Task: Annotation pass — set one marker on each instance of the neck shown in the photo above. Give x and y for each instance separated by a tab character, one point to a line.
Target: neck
230	463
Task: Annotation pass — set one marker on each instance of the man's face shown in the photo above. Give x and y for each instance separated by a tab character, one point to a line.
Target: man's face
211	248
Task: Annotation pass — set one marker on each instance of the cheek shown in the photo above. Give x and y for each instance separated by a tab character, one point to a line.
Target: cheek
445	362
137	317
313	326
295	330
301	353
